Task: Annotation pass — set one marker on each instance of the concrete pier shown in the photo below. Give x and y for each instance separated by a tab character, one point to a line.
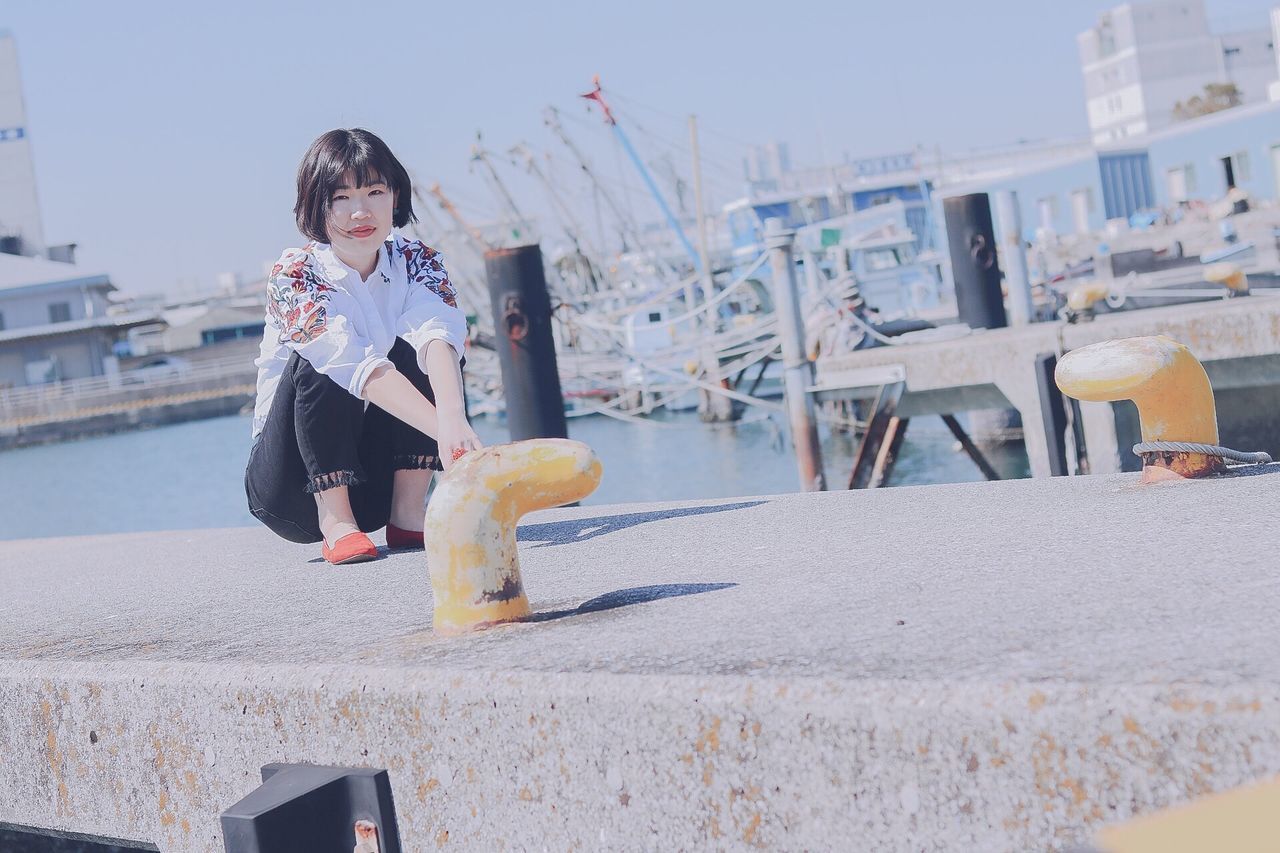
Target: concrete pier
1238	340
996	666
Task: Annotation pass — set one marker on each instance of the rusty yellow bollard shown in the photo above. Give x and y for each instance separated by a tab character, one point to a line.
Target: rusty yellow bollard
1083	297
1170	388
470	528
1229	276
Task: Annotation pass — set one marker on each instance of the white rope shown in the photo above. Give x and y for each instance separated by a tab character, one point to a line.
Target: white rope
724	294
1258	458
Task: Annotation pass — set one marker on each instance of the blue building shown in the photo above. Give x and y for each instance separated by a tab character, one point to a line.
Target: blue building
812	196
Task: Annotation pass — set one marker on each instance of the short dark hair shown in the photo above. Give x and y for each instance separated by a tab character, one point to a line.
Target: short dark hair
331	157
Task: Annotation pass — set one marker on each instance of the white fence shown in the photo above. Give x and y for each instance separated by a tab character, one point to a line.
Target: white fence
126	389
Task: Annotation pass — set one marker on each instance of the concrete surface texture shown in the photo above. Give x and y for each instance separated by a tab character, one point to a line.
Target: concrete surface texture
996	666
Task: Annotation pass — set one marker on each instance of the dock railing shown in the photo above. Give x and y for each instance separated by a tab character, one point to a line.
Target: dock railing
128	389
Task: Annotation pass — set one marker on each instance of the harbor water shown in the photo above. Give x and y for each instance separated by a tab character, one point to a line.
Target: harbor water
191	475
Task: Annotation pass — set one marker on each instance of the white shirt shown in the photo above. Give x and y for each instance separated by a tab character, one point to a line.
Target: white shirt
344	326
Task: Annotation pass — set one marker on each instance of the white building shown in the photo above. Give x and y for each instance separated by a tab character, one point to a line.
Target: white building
1142	59
765	163
20	228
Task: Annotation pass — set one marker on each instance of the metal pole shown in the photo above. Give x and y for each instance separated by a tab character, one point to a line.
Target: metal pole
1013	258
797	370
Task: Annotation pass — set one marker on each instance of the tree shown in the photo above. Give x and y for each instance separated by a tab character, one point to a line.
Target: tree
1217	96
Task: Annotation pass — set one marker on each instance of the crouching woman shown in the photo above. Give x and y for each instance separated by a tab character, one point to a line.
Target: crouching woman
359	393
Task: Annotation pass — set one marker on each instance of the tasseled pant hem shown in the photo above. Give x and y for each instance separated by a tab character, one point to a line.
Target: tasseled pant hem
332	481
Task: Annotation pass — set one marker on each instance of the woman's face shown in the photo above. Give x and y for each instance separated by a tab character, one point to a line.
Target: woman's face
360	218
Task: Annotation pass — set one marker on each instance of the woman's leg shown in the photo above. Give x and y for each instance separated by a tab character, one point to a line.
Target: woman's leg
398	457
306	458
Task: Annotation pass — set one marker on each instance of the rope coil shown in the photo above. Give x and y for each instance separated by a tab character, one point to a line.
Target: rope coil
1258	458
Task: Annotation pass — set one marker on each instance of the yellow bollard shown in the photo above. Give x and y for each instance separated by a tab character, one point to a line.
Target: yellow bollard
1169	387
470	528
1084	296
1229	276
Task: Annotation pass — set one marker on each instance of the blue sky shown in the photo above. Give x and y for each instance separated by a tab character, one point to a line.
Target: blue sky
166	135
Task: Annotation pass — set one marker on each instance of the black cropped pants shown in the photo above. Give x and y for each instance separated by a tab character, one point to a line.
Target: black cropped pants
318	436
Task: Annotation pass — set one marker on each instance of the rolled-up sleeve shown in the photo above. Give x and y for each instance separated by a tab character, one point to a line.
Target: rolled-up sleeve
431	310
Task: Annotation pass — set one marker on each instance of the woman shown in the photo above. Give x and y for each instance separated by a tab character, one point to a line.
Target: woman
359	383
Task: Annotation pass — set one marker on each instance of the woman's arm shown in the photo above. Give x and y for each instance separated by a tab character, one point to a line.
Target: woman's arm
391	391
446	382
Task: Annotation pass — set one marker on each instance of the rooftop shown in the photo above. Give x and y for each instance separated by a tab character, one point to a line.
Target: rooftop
19	272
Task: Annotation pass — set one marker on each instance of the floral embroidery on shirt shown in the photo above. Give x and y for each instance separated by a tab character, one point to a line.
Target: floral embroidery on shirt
424	267
296	297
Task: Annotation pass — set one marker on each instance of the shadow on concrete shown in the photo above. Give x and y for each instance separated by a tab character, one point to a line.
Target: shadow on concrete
582	529
625	597
25	838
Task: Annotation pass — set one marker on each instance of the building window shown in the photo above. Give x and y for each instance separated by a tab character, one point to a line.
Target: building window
1	321
1242	165
59	312
1181	182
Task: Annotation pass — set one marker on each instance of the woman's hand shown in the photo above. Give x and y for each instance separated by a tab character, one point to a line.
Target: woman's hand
456	438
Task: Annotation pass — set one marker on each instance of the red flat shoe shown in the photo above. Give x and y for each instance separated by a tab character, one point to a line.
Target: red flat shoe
352	548
403	539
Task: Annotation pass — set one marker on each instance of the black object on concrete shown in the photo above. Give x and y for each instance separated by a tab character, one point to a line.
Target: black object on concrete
1053	412
29	839
308	808
526	350
972	243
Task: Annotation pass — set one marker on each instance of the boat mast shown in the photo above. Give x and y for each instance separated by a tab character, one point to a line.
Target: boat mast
521	154
480	155
473	233
597	95
626	230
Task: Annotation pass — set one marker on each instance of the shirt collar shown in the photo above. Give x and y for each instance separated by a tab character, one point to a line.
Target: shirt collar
336	270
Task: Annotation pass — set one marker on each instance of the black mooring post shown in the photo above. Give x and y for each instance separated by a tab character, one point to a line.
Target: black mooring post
972	243
526	350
